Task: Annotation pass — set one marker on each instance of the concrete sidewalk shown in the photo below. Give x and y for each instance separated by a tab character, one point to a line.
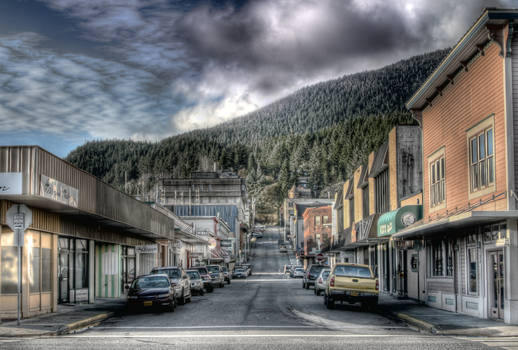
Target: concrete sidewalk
443	322
67	319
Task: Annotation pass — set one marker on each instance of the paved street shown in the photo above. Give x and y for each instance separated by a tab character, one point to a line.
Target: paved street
266	311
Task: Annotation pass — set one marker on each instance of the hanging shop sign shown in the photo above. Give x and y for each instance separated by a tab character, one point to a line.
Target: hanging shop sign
10	183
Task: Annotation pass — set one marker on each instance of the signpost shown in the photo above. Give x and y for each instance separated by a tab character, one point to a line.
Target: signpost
19	218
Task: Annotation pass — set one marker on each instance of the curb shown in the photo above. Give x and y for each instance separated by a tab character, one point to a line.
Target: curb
87	322
66	329
423	325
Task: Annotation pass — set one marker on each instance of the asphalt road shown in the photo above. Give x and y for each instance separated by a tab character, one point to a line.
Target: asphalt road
265	311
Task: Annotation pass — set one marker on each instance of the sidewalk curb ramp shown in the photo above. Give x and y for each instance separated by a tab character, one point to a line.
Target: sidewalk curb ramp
417	323
84	323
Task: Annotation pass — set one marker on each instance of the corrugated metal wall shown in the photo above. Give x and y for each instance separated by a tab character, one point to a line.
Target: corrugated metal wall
228	213
95	196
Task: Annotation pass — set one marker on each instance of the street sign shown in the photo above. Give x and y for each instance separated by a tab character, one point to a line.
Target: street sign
19	218
320	257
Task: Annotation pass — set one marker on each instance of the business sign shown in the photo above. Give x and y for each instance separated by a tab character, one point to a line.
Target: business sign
225	243
58	191
146	249
10	183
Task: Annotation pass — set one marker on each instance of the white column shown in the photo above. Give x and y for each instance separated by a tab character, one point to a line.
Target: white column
91	271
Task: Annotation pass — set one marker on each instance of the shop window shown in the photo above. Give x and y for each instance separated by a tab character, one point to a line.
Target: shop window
9	270
34	270
494	232
472	270
437	259
81	264
317	221
449	258
46	269
325	219
351	211
481	155
437	182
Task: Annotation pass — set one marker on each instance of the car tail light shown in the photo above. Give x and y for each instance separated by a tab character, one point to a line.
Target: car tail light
332	281
377	285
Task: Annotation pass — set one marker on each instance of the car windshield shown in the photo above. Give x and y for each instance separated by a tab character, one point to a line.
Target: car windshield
299	269
213	269
194	275
239	270
150	282
172	273
353	271
202	270
224	269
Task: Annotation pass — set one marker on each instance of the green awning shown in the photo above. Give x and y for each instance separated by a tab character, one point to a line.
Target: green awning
393	221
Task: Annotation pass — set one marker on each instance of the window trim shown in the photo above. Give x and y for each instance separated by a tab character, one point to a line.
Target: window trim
481	127
435	156
470	246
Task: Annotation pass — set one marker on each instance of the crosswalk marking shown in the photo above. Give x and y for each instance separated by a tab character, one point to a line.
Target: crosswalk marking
509	343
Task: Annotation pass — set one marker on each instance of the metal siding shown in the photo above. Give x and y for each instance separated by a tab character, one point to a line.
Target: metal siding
514	65
228	213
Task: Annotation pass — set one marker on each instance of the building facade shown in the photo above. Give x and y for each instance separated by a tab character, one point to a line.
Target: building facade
468	112
317	230
85	238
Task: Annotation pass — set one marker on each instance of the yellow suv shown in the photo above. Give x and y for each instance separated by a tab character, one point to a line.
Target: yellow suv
352	283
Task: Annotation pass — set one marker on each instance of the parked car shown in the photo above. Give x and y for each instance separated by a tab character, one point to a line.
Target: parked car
205	276
152	291
248	268
239	272
216	275
320	283
352	283
227	275
311	275
283	249
179	281
196	282
298	272
287	268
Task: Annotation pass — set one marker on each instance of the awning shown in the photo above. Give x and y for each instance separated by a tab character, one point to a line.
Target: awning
396	220
456	221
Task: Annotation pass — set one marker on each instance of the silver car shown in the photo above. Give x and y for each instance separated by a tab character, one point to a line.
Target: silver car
179	281
196	282
320	283
298	272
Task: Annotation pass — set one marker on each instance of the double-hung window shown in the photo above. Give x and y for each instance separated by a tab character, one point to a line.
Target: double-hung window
481	159
437	182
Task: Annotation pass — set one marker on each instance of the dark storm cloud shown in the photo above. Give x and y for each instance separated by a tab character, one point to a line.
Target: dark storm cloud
182	65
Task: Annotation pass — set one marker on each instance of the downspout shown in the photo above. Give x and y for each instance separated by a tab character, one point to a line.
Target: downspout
509	119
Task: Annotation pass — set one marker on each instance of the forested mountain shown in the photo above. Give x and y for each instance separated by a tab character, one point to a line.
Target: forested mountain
325	131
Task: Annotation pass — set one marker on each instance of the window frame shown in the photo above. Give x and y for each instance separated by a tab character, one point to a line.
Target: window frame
437	180
481	128
472	247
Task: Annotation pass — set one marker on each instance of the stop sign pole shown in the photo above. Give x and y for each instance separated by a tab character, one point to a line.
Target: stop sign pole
19	218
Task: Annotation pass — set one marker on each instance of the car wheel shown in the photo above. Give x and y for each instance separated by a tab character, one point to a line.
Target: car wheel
315	291
189	298
201	292
221	285
182	298
330	303
307	286
228	282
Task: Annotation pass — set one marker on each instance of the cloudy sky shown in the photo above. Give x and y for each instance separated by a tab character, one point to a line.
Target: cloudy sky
76	70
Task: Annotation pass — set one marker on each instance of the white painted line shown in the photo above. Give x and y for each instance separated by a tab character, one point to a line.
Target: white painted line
267	280
245	335
208	327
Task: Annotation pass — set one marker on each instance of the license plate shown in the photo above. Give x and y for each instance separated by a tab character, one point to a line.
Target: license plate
354	294
148	303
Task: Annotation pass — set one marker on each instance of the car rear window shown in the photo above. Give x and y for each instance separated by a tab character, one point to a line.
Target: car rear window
299	269
172	273
150	282
203	270
353	271
316	268
325	274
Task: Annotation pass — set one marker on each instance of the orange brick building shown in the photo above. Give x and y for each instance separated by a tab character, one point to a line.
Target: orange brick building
467	240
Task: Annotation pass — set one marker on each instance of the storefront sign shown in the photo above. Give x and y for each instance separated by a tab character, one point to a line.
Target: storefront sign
58	191
226	243
146	249
363	228
10	183
396	220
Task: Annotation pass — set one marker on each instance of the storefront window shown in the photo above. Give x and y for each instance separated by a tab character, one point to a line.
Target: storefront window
449	258
9	270
46	269
437	259
494	232
81	264
34	270
472	270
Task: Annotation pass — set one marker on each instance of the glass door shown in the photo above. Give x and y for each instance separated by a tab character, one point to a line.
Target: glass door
64	270
497	284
